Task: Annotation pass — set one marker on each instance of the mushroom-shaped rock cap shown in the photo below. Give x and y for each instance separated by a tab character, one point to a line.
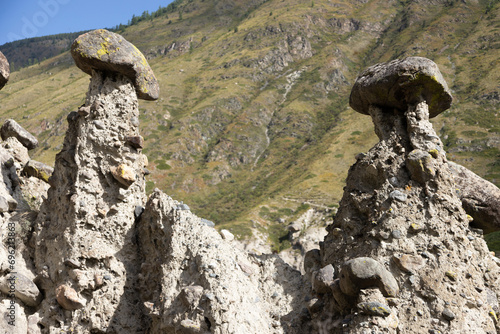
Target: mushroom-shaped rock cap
4	70
399	83
106	51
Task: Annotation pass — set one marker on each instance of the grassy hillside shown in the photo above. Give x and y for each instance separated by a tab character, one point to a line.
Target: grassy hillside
254	96
32	51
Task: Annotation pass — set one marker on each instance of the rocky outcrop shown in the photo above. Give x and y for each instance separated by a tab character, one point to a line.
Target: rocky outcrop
4	70
480	198
405	258
91	264
195	281
19	294
117	265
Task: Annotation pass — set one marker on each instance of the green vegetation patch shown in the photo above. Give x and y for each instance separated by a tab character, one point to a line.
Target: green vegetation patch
493	241
278	237
162	165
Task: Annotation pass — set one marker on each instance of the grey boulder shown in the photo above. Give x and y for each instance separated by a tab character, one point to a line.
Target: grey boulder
105	51
365	272
12	129
399	83
25	290
480	198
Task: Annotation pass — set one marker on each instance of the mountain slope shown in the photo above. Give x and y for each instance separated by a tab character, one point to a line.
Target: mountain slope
253	118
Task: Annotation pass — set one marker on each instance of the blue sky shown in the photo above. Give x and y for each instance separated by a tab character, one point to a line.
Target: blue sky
21	19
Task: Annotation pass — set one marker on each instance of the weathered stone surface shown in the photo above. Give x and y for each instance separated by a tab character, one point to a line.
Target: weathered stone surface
33	321
226	235
398	83
193	254
189	327
12	318
102	50
17	150
24	288
4	70
480	198
409	263
365	272
68	298
88	216
9	182
11	128
428	222
7	203
39	170
191	295
420	165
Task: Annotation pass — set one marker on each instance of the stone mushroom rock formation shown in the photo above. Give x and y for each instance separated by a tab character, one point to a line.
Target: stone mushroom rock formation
108	262
401	210
84	235
105	51
4	70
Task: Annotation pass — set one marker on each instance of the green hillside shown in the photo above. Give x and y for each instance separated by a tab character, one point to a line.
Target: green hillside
253	118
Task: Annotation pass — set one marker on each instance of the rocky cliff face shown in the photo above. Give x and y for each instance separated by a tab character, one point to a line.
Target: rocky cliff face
98	257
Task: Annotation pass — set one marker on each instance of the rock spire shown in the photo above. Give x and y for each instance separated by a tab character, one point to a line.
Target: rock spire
405	258
86	255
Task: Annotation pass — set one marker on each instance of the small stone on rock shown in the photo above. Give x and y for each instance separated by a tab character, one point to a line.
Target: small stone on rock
374	308
68	298
207	222
106	51
135	141
451	275
365	272
123	174
448	314
398	195
84	111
